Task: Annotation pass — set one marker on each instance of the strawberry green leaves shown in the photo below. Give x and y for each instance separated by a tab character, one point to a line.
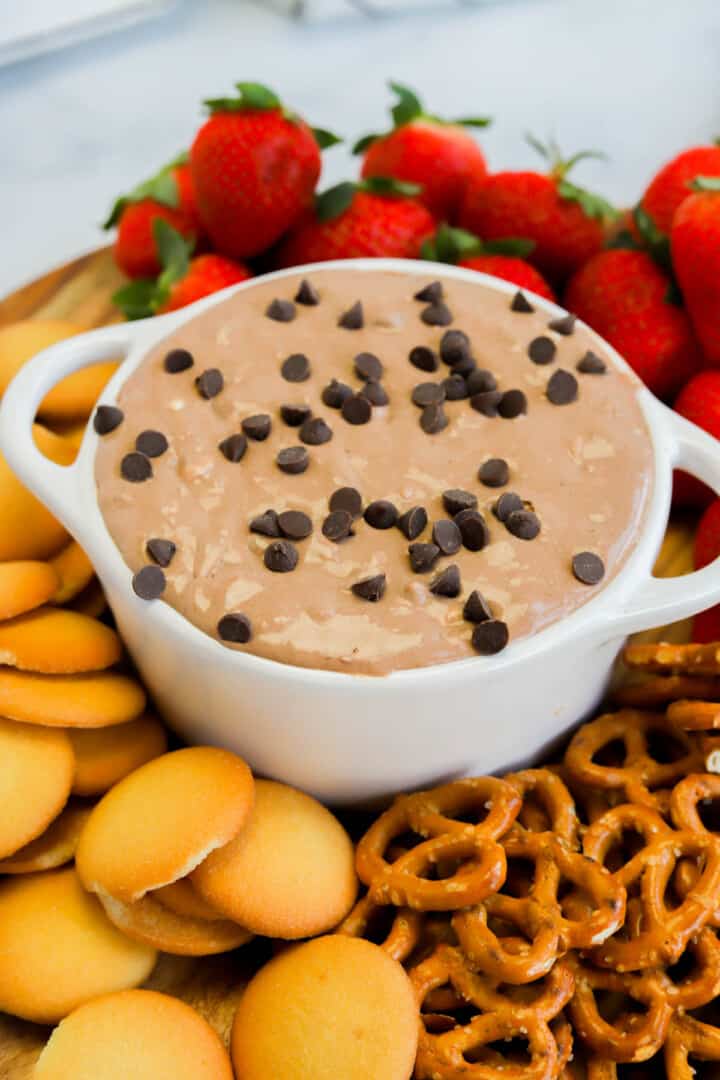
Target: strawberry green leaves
409	107
595	206
705	183
336	200
146	296
162	188
592	205
451	245
255	97
325	138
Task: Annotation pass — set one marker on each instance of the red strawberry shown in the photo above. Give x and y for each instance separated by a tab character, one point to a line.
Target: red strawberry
503	259
169	195
374	218
426	150
565	222
206	274
706	625
695	245
699	401
672	184
623	295
255	167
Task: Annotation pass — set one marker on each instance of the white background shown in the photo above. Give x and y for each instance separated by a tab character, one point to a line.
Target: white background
637	78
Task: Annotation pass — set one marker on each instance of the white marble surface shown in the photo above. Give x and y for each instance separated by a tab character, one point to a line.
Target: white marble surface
638	78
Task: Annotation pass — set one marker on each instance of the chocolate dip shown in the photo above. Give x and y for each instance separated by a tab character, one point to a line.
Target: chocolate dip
554	424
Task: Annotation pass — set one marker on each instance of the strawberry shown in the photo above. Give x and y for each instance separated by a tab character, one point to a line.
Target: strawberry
183	279
624	296
706	625
672	184
426	150
566	222
695	246
373	218
169	195
699	401
500	258
255	167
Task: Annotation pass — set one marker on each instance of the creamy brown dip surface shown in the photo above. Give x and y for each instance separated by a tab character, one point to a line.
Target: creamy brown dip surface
583	468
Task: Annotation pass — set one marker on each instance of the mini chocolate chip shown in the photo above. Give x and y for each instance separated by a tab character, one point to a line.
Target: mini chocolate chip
235	627
149	583
281	557
178	360
506	504
257	427
521	304
447	536
433	419
424	358
356	409
487	402
307	294
591	364
233	448
136	468
293	460
353	318
428	393
494	472
335	393
160	551
412	522
454	347
294	525
480	380
455	500
490	637
447	582
455	388
562	387
296	368
347	498
107	418
476	609
523	523
564	325
375	393
541	350
436	314
371	588
588	567
465	367
430	293
512	404
210	383
473	529
266	524
314	431
368	366
423	557
295	415
381	514
281	310
337	526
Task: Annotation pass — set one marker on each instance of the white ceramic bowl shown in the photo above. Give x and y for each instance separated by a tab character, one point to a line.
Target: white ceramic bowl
349	738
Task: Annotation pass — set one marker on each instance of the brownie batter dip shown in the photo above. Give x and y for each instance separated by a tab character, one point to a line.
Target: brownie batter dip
366	471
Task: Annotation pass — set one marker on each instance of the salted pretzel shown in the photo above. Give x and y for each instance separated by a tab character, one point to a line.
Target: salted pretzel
686	796
677	659
692	715
400	939
658	691
608	832
689	1037
547	805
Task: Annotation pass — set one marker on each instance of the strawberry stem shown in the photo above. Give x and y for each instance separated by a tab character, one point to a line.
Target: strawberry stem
161	188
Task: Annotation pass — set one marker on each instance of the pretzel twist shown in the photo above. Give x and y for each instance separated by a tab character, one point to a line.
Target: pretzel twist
402	937
664	656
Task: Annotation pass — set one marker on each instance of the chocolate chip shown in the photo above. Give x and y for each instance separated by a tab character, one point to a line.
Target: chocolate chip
295	415
293	460
375	393
356	409
436	314
335	393
433	419
506	505
521	304
149	583
178	360
494	473
210	383
371	588
423	358
257	427
281	310
381	514
523	523
562	387
490	637
513	403
281	557
447	582
136	468
428	393
235	627
591	364
454	347
447	536
541	350
337	526
429	294
314	431
347	498
296	368
487	402
412	522
266	524
294	525
465	367
160	551
476	609
107	418
588	567
480	381
455	388
473	529
564	325
423	557
368	366
307	294
233	448
455	500
353	318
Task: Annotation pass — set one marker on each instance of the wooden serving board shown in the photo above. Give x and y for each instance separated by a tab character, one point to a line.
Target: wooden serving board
80	292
